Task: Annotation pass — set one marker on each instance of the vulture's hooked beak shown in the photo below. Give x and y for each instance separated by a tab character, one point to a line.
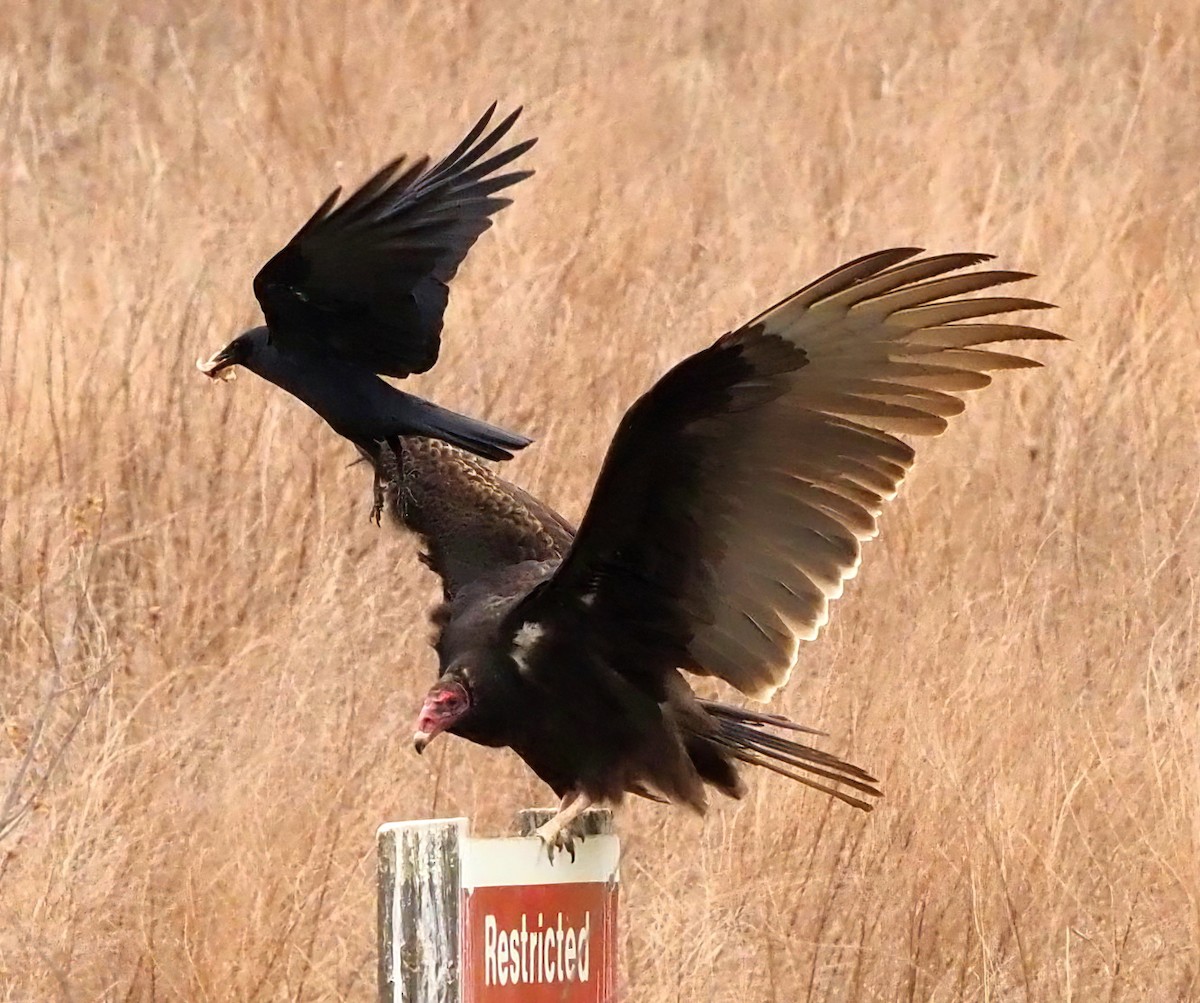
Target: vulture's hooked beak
443	706
219	367
426	732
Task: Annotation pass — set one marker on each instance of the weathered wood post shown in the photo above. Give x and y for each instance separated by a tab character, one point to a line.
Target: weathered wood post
470	920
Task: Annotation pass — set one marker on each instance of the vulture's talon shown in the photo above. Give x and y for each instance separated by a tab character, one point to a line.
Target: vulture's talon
556	836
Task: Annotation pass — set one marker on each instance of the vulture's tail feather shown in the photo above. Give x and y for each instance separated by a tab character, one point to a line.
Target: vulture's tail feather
475	436
743	735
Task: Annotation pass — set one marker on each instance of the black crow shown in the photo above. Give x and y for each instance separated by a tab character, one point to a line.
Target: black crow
360	290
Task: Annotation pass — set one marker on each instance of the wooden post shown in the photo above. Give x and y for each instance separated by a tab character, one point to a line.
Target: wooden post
468	920
593	822
420	894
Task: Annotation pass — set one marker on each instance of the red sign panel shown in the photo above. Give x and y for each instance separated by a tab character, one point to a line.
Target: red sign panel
540	943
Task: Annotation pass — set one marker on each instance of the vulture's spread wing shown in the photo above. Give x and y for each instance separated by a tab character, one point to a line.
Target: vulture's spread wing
737	493
367	278
471	521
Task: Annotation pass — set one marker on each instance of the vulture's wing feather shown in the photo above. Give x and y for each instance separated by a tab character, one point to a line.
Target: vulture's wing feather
737	493
470	521
368	277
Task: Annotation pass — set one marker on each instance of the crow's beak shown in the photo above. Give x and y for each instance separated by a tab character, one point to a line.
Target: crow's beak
420	740
219	367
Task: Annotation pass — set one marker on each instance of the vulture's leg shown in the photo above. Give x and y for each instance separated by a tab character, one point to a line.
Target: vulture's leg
556	833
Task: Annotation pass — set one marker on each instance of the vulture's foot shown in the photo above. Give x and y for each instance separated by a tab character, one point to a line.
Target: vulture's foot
556	834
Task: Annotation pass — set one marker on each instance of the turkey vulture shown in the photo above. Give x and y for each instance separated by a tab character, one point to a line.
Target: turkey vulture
731	508
361	288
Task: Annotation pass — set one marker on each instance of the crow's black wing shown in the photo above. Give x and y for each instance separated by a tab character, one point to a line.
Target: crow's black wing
738	491
367	278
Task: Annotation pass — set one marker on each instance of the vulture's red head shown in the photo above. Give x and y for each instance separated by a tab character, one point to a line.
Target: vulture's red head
444	705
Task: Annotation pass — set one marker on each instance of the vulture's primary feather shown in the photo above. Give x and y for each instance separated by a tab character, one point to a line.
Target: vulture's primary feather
731	509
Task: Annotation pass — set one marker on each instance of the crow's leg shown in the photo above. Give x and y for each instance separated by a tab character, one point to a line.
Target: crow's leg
401	476
556	833
376	515
372	451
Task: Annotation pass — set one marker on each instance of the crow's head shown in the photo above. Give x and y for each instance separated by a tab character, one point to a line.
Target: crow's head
239	352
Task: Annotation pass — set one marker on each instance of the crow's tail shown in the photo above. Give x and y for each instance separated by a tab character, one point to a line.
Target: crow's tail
471	434
744	735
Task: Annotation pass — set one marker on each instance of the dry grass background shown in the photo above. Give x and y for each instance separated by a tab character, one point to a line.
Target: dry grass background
211	660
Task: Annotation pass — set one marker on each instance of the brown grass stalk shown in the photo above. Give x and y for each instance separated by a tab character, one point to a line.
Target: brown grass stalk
209	659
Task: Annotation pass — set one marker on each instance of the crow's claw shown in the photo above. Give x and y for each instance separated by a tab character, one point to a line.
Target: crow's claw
376	515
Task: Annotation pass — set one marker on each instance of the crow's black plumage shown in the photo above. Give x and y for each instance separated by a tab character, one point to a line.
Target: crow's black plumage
731	508
361	290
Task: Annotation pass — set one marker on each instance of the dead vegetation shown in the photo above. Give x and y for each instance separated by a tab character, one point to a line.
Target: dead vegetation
210	659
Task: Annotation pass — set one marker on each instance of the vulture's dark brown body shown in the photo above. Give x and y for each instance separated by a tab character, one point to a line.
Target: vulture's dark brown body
493	543
731	509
